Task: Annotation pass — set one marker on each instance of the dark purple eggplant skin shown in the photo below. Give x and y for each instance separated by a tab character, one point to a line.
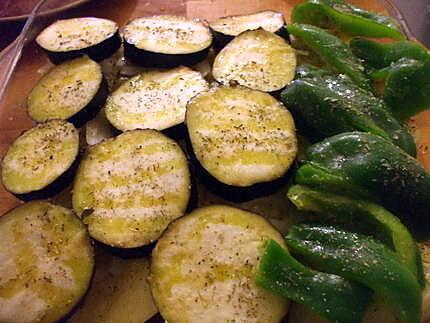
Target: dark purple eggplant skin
193	202
232	193
220	40
92	108
127	253
157	318
58	185
97	52
146	58
176	132
283	32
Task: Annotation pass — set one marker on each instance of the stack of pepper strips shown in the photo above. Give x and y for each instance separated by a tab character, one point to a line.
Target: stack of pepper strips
362	184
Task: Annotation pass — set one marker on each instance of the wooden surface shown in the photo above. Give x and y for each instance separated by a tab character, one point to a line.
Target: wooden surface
13	116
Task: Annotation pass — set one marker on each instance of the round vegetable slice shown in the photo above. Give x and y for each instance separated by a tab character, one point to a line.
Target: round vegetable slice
204	266
73	91
257	59
241	136
166	41
226	28
129	188
41	161
234	25
47	263
69	38
154	99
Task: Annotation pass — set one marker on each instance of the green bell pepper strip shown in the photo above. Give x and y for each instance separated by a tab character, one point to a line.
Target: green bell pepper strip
364	216
315	176
332	296
346	18
379	55
407	88
361	259
332	50
325	104
369	163
405	67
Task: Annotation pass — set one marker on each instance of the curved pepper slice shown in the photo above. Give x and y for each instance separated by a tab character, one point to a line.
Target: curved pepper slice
332	50
325	104
361	259
407	88
405	67
359	163
331	296
380	55
346	18
364	216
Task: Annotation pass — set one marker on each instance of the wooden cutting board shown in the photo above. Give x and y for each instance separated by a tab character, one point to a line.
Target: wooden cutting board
33	64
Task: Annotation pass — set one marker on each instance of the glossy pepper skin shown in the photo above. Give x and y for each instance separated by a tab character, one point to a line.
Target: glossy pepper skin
325	104
346	18
331	50
405	68
379	55
407	88
362	164
332	296
365	217
361	259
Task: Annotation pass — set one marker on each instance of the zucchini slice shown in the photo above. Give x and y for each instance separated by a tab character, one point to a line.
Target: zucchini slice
41	162
257	59
129	188
74	90
166	41
226	28
240	136
69	38
46	263
203	268
154	99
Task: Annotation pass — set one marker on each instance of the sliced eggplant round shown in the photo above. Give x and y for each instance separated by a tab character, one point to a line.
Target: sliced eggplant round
240	136
226	28
70	38
46	263
74	90
203	268
257	59
129	188
154	99
42	161
166	41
